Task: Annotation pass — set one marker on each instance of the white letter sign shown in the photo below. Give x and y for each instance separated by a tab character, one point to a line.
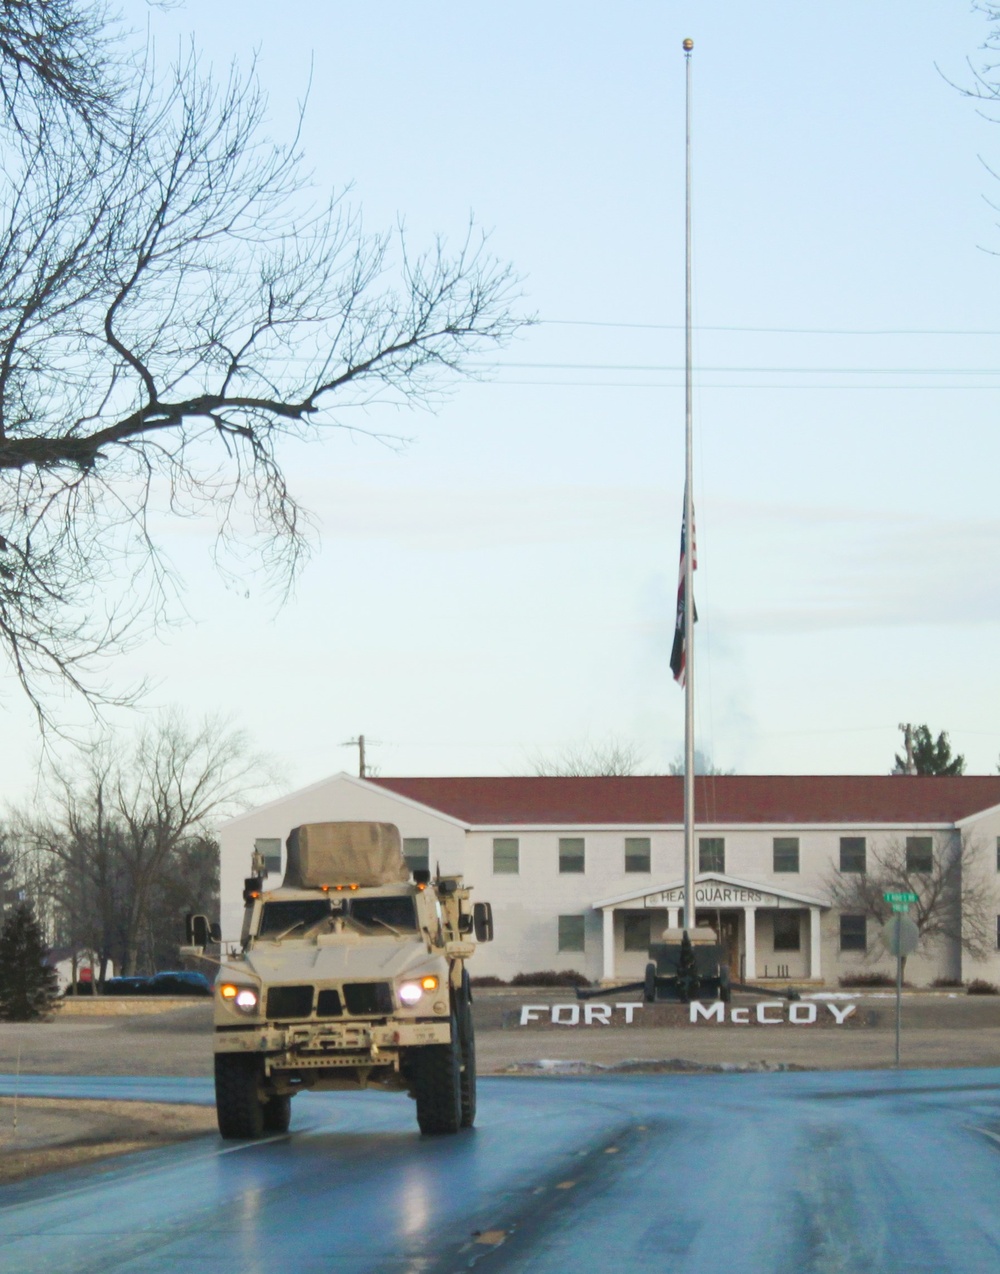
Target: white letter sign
629	1010
600	1013
762	1013
559	1009
709	1012
840	1014
530	1012
802	1013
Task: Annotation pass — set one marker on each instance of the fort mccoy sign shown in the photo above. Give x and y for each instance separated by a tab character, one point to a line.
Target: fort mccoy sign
765	1013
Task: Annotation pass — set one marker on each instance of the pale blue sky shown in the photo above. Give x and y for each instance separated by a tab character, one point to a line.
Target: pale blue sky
503	585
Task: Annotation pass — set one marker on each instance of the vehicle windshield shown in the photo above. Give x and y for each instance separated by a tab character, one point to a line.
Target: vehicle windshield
295	917
397	912
299	914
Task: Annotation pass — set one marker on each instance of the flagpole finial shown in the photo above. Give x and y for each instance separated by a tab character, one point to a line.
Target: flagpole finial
688	45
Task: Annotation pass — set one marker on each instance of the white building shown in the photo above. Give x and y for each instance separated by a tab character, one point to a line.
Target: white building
584	872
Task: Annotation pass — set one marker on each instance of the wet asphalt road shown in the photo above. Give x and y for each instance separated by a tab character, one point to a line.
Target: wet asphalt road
847	1171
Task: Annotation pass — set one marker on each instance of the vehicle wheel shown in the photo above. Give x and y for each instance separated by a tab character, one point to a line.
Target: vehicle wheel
278	1113
649	986
238	1103
437	1085
725	984
467	1039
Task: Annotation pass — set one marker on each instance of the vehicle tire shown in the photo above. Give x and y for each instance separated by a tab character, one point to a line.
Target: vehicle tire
725	984
649	985
467	1040
278	1113
437	1085
238	1103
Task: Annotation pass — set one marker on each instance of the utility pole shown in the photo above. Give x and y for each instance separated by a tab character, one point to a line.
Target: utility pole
907	729
358	743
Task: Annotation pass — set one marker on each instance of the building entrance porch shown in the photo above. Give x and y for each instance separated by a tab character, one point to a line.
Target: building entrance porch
763	931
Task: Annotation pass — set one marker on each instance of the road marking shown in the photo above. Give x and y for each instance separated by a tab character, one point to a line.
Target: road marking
565	1185
493	1238
90	1186
993	1136
611	1150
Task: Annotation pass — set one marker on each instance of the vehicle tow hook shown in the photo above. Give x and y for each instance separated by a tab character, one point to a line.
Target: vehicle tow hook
373	1050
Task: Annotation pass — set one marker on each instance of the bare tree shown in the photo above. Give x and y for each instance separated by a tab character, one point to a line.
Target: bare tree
56	55
173	311
129	826
955	901
703	764
614	757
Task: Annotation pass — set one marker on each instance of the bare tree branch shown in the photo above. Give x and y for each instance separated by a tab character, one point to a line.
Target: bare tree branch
171	314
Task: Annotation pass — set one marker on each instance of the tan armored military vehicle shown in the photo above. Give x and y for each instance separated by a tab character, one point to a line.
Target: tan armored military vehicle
351	975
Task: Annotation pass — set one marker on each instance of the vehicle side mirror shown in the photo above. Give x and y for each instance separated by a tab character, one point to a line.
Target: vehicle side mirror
482	921
252	886
199	931
215	929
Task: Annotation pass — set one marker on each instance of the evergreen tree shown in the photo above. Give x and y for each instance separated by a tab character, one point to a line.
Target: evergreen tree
926	755
27	983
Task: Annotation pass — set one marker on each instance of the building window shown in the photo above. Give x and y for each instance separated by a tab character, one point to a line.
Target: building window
852	853
270	848
711	853
920	854
636	931
786	854
853	933
571	856
417	852
637	854
505	856
787	931
571	933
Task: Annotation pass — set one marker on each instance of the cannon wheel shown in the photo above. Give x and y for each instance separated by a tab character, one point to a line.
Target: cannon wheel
649	985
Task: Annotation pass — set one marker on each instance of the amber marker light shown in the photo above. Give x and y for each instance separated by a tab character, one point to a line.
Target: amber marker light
429	983
227	991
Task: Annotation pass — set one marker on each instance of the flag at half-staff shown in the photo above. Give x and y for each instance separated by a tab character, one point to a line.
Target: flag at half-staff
678	654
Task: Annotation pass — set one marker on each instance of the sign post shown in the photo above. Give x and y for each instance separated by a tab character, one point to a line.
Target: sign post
901	937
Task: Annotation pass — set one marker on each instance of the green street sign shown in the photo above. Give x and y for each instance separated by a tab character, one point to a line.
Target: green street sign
900	897
903	907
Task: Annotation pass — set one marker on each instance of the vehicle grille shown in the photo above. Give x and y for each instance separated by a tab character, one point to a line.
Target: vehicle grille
368	999
328	1004
289	1001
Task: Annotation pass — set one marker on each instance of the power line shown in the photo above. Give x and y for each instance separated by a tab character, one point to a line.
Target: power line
780	331
633	384
751	371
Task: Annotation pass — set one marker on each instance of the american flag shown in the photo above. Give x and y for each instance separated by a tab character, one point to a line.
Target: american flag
678	654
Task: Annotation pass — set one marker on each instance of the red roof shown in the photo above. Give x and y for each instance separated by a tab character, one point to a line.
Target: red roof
732	798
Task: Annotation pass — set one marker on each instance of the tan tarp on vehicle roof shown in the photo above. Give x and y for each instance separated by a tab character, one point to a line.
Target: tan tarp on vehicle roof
345	854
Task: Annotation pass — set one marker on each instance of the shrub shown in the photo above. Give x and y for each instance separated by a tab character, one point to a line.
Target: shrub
487	980
948	982
978	987
28	986
867	979
550	977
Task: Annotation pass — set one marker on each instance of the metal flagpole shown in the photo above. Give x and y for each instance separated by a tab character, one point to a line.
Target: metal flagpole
689	915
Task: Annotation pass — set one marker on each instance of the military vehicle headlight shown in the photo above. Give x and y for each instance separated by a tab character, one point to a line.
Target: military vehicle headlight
410	992
244	998
247	999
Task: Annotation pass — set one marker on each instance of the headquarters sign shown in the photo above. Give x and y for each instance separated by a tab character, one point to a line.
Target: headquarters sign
711	894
